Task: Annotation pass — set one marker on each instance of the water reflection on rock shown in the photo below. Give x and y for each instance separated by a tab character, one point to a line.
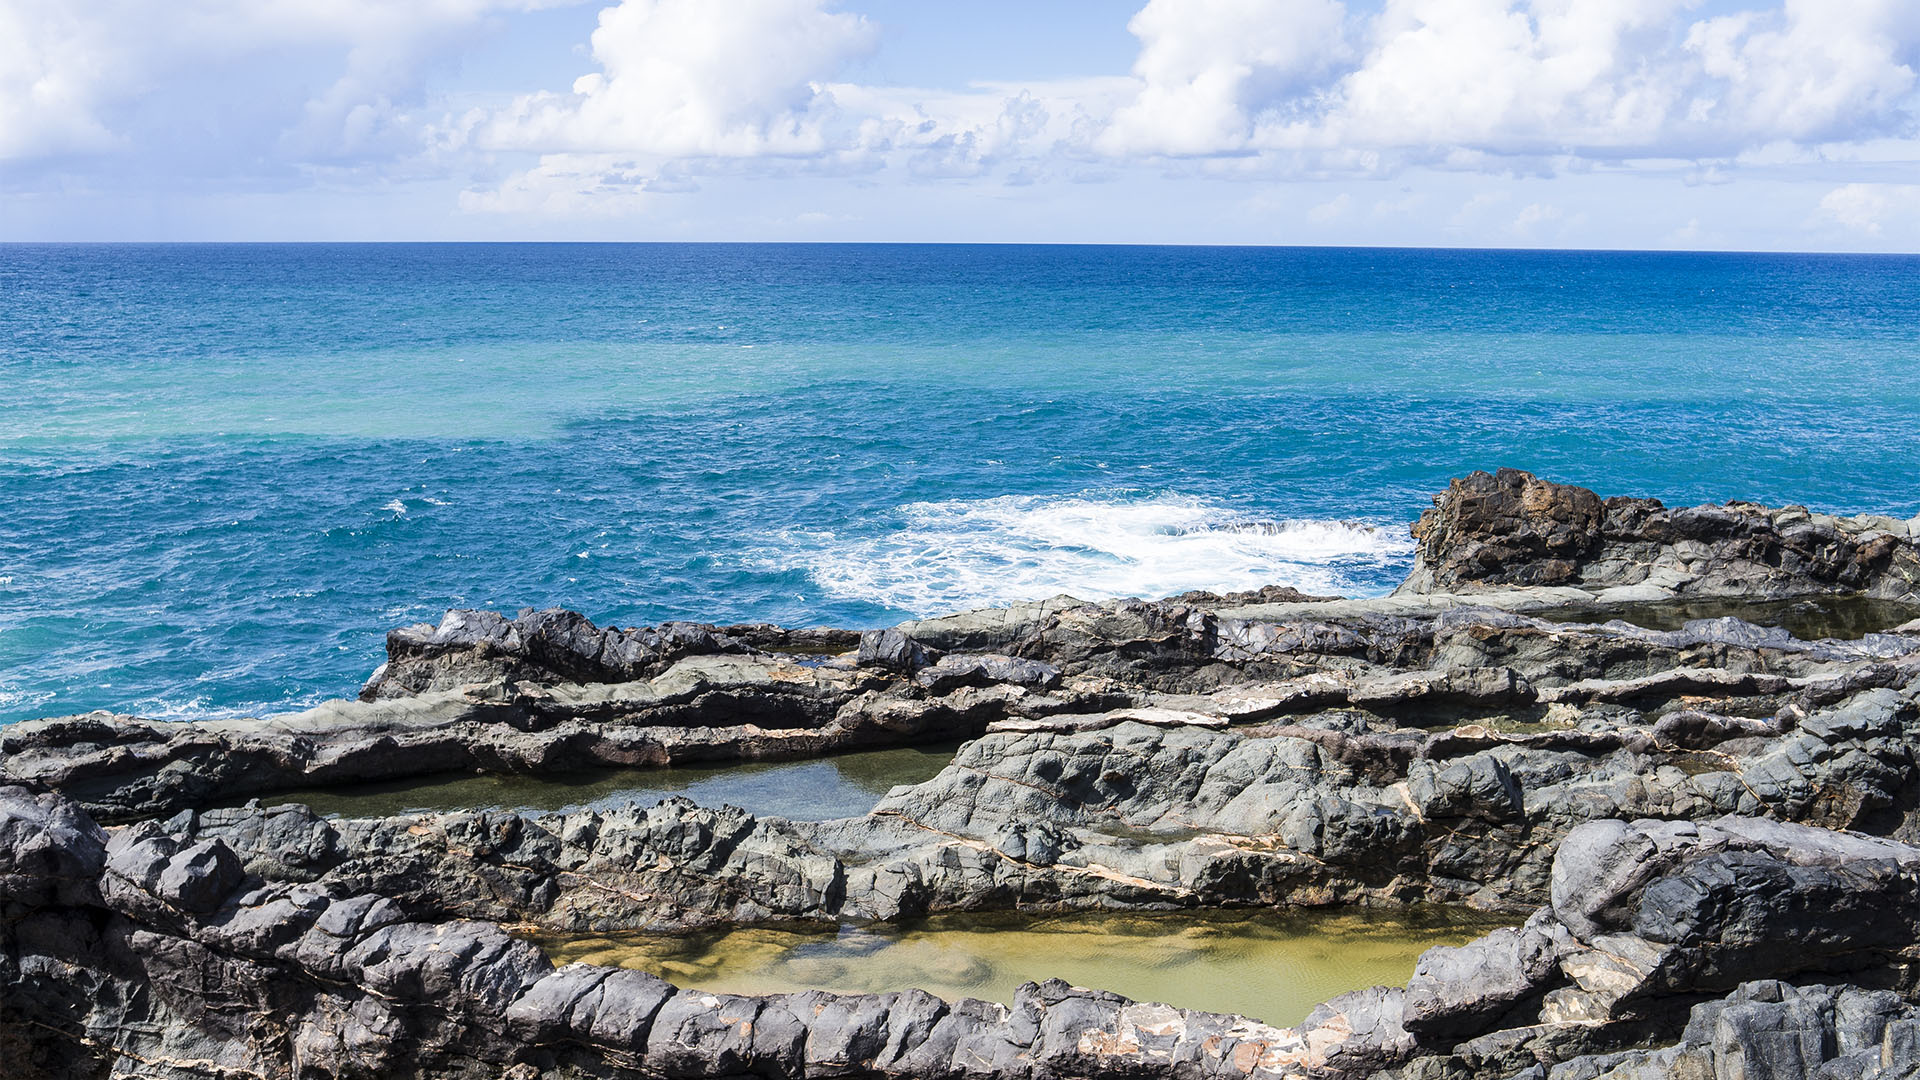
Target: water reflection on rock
845	786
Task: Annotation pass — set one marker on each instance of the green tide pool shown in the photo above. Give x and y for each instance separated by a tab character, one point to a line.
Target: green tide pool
1269	965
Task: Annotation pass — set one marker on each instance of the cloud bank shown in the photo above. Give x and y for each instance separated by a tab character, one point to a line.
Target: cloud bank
674	95
1276	88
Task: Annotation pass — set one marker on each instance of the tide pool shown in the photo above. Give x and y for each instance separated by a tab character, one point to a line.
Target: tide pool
1269	965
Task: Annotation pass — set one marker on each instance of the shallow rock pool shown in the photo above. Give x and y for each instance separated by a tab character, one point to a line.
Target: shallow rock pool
815	790
1271	966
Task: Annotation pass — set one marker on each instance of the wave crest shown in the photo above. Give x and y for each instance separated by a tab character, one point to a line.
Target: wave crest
969	553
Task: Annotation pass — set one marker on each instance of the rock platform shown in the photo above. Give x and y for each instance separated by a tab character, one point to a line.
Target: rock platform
1701	834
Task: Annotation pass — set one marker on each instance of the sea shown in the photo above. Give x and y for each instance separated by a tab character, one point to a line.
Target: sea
227	470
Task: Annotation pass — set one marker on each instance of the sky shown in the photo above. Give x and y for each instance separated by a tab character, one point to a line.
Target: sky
1710	124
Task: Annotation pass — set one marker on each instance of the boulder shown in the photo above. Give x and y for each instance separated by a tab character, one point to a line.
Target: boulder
1510	528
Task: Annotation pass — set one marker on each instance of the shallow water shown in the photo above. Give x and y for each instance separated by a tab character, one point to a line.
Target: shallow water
1844	618
817	790
1268	965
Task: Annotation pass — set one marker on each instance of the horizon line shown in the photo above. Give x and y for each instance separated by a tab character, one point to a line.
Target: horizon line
965	244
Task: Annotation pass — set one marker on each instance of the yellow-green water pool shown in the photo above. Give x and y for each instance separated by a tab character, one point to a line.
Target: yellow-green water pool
1272	966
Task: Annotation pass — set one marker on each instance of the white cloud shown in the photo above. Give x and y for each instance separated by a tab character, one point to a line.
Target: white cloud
1488	75
568	185
1331	210
687	98
1867	208
72	74
1453	81
1814	71
1533	215
1208	68
926	134
692	78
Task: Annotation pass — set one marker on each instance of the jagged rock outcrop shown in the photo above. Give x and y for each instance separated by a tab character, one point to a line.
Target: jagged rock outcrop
550	691
1068	668
158	953
1511	528
1143	812
482	648
163	959
1769	1028
723	707
1647	919
1668	800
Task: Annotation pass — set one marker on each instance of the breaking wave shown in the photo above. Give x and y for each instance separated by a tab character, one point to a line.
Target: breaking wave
959	554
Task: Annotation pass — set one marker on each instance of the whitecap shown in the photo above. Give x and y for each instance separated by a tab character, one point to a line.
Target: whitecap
960	554
200	707
396	506
13	697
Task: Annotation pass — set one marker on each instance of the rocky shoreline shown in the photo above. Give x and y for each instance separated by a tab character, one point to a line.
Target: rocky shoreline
1701	834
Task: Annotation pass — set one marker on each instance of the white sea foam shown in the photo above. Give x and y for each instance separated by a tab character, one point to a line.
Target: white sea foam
395	506
11	697
949	556
199	707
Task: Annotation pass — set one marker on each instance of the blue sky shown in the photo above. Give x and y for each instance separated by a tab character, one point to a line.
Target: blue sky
1509	123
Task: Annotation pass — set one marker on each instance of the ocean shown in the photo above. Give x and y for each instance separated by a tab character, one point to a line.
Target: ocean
226	471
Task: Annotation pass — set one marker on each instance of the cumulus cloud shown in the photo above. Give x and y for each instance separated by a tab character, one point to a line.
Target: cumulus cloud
73	76
1534	215
1293	87
844	129
1489	75
571	185
1209	68
693	78
1814	71
1311	86
1866	209
1258	90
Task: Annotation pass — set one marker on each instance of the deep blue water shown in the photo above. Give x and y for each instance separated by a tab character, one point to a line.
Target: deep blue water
225	471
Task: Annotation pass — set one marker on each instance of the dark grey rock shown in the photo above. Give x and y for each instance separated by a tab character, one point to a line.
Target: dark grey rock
893	649
1674	798
1511	528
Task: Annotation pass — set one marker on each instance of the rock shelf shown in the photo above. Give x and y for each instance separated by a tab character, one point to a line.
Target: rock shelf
1702	830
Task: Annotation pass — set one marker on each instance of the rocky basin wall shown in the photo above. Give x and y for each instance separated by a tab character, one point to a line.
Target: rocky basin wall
154	953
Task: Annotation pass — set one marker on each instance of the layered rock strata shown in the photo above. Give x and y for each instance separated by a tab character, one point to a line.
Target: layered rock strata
158	953
1060	667
1665	803
1510	528
1155	808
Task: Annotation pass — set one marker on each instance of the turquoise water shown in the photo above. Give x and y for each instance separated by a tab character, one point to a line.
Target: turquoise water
226	471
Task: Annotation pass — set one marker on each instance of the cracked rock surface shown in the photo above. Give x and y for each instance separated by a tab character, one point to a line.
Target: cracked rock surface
1701	832
153	952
